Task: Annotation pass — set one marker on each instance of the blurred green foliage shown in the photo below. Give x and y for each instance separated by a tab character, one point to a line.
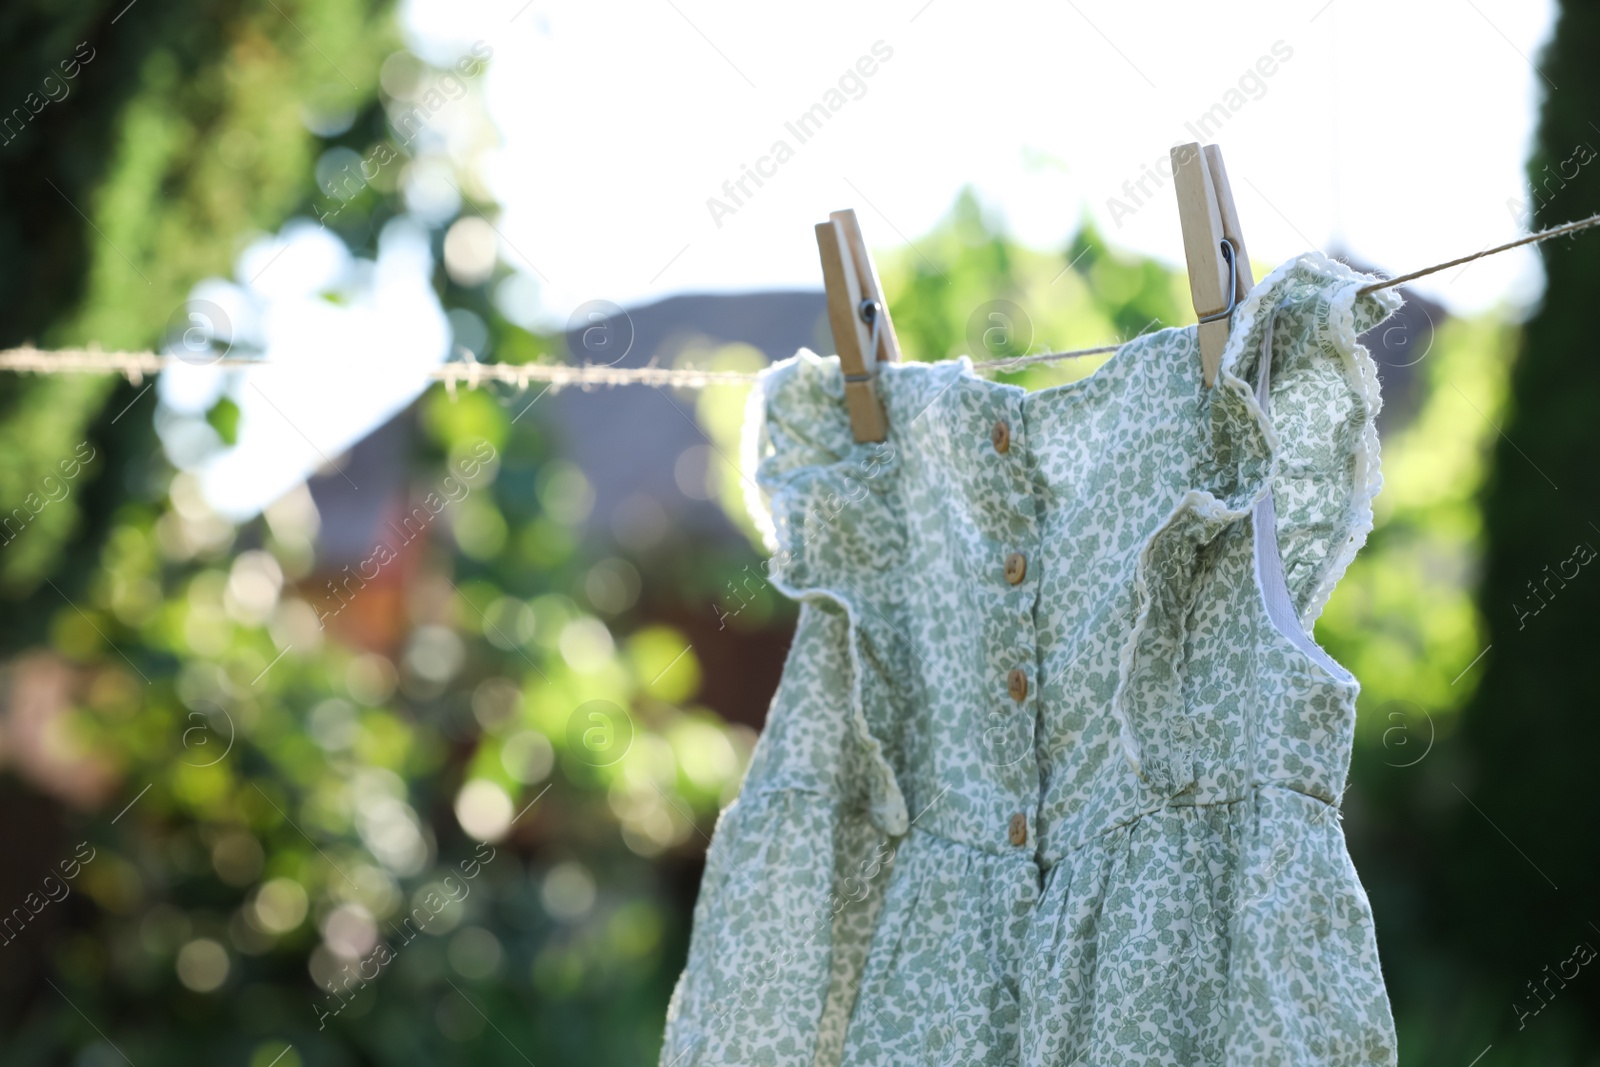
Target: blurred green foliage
1485	848
968	290
264	795
181	131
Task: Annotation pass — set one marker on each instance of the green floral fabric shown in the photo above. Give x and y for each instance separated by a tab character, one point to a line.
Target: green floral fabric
1081	811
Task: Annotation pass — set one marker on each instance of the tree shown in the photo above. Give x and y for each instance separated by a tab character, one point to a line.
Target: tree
1490	845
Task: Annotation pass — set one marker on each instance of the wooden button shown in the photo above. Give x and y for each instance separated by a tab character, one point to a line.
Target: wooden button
1019	829
1016	568
1000	437
1017	685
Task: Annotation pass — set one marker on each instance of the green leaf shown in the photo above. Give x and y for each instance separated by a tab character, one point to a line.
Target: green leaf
224	418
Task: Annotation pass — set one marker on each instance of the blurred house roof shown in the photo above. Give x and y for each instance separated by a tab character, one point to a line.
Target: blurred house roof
630	441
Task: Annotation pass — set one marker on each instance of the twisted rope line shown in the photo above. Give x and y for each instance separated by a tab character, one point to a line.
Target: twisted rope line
135	365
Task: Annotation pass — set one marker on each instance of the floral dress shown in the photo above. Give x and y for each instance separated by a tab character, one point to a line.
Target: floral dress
1052	776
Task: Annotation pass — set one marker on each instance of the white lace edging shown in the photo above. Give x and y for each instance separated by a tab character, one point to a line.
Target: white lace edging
1361	374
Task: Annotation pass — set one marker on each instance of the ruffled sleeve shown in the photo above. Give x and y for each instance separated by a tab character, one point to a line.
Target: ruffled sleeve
1318	456
1323	407
827	507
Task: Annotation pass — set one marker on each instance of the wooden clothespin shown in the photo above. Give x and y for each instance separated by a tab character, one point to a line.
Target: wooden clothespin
1213	245
859	317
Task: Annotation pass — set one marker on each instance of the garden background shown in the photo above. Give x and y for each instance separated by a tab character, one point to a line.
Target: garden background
228	768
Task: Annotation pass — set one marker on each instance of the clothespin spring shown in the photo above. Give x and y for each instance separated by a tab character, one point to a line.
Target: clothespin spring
1233	286
869	315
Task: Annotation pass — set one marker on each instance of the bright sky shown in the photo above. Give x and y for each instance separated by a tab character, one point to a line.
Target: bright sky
337	369
1395	132
627	134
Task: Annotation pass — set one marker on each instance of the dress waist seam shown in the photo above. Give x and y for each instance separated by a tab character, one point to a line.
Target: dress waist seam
1046	862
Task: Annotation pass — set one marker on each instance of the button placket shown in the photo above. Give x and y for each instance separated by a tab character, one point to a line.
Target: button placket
1016	650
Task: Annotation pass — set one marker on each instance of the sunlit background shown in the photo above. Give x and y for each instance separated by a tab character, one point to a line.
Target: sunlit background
350	719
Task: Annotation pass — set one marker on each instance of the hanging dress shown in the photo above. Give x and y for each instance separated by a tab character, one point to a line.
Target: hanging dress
1052	776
